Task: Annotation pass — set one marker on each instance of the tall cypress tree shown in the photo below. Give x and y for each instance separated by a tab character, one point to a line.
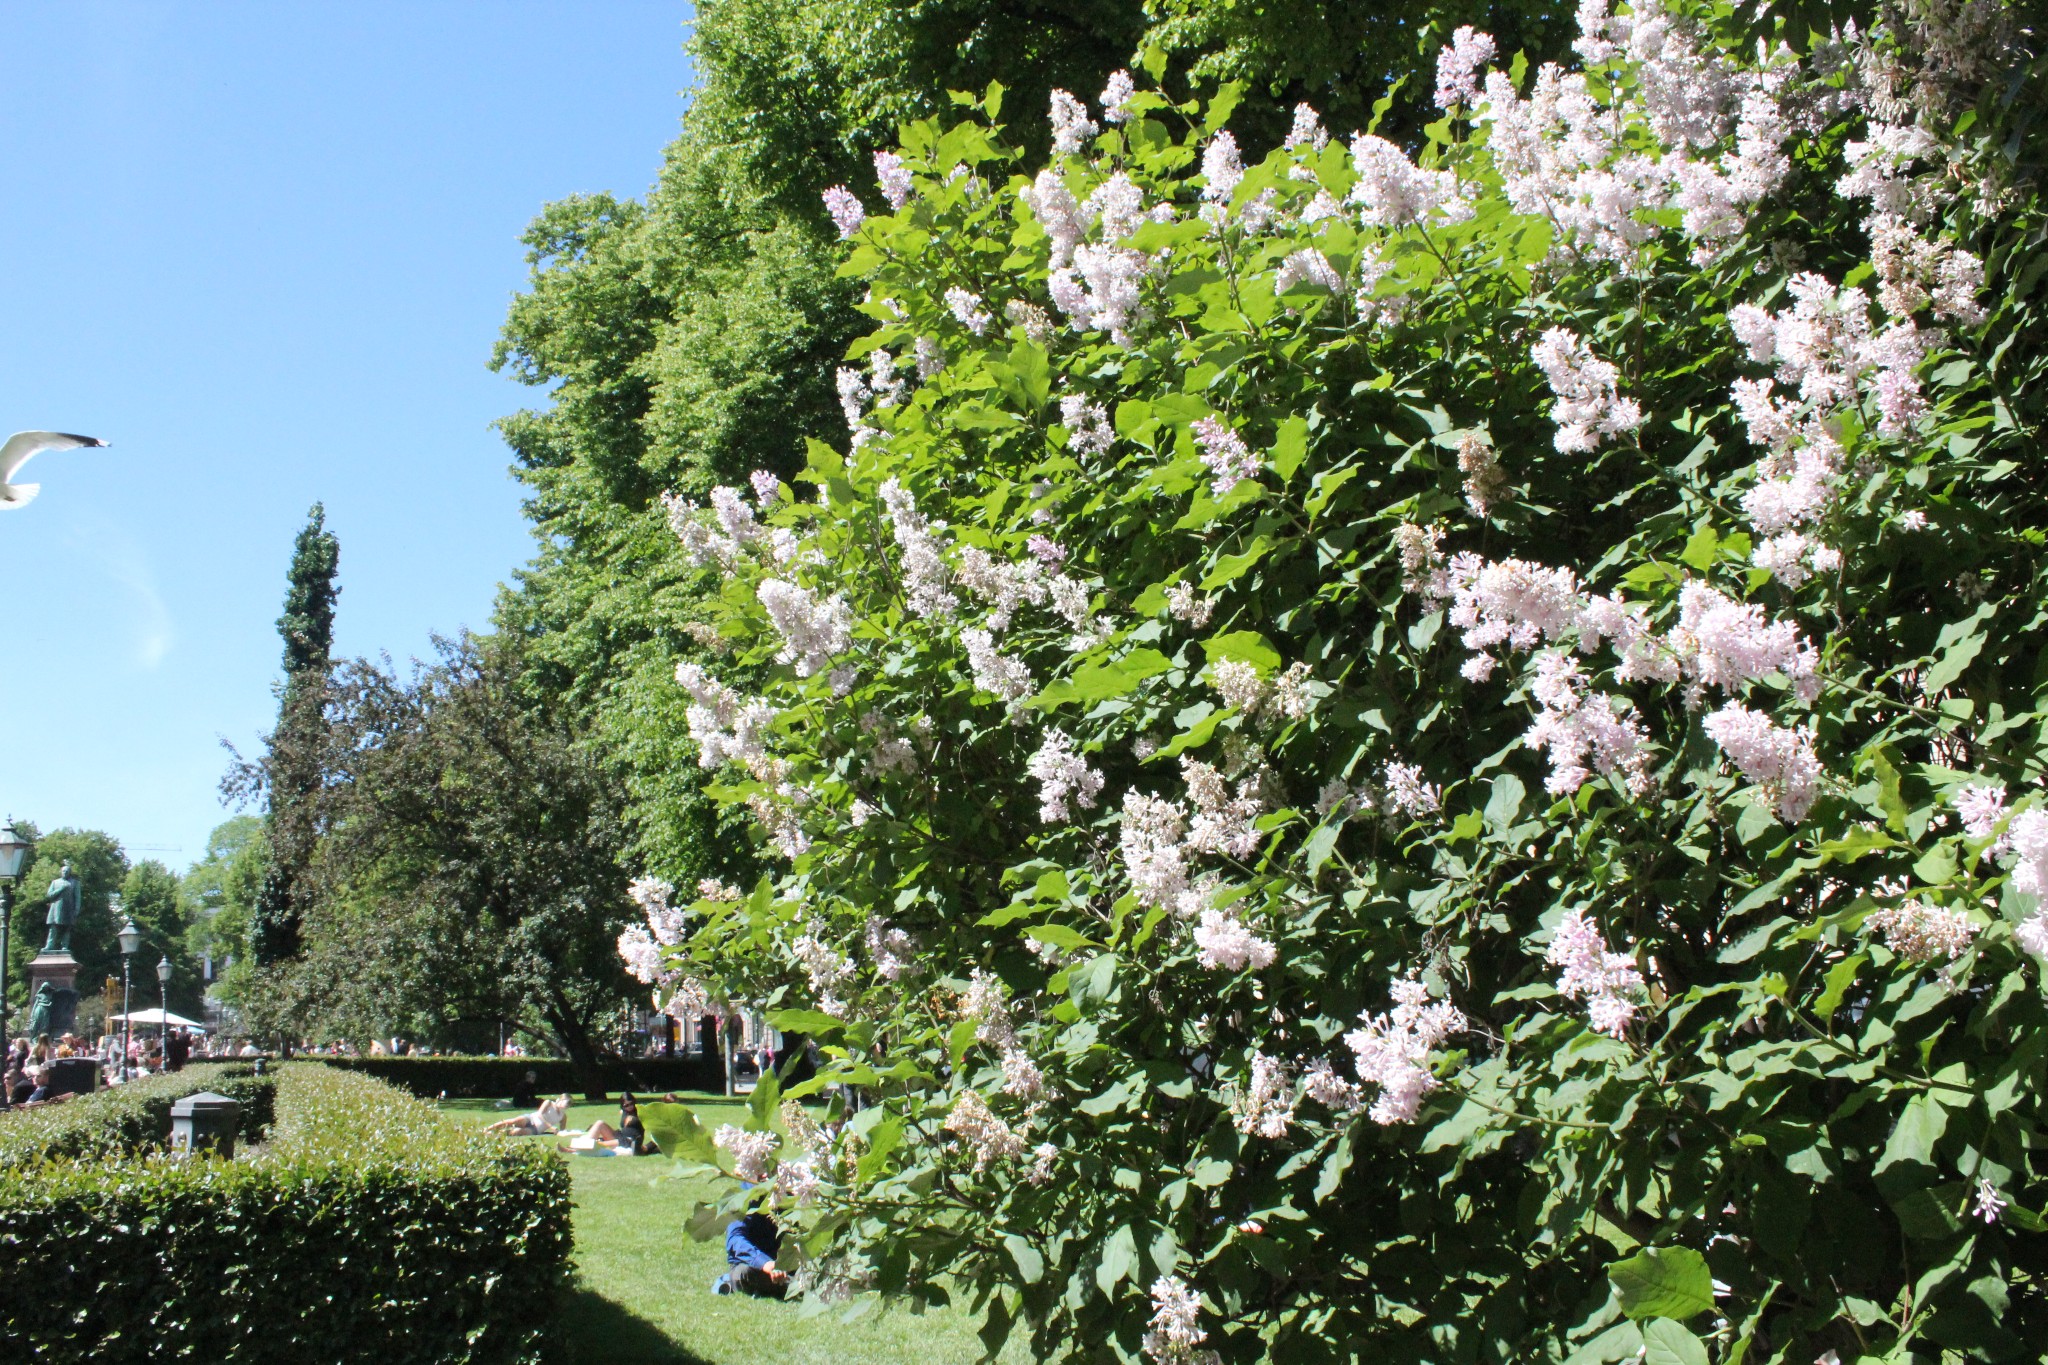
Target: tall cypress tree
296	758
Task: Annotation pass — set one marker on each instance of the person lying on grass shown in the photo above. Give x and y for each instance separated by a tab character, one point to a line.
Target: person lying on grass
628	1139
546	1119
750	1246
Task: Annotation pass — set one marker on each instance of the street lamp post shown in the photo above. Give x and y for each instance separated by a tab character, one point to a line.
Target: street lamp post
163	1026
131	944
14	851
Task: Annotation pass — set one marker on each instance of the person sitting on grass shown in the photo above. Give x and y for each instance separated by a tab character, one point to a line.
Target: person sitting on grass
546	1119
750	1246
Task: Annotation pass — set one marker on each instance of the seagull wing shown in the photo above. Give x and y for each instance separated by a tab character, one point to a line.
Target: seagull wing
22	446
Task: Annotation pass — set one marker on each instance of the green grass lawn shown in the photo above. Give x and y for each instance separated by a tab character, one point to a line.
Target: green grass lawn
643	1288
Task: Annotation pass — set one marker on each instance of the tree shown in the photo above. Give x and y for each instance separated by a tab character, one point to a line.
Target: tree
151	897
289	775
468	872
221	890
1425	754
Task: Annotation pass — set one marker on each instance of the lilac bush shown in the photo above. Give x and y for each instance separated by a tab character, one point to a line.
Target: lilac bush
1422	756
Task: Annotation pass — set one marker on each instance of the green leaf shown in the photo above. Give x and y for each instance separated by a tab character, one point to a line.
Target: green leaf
1119	1255
1662	1282
1030	1265
815	1023
1699	552
1670	1344
1290	447
1247	646
1956	648
1096	682
1230	567
1058	936
761	1104
1921	1124
681	1136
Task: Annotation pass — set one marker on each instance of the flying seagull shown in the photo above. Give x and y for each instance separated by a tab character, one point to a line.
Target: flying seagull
23	446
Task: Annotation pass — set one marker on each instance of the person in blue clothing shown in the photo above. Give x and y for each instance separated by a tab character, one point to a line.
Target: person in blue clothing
750	1246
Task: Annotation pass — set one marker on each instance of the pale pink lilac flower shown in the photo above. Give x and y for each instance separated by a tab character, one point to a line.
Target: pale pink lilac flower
894	178
1392	1050
1176	1332
1988	1205
812	631
1393	192
926	578
1222	170
1779	760
750	1151
1408	794
1071	126
1056	209
1577	726
1913	520
1224	451
1064	778
1183	603
1043	1157
1224	943
2032	933
982	1133
967	310
1458	65
1150	838
1980	808
1609	982
1088	428
1322	1084
1589	408
1307	129
994	671
724	725
1116	96
847	213
1307	266
1264	1105
1921	932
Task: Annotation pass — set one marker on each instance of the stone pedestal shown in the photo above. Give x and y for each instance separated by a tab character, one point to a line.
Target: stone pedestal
60	970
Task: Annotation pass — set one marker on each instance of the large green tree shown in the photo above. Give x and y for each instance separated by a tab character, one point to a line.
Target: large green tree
289	774
468	869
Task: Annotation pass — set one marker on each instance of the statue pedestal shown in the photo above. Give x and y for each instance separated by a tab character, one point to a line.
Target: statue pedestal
60	970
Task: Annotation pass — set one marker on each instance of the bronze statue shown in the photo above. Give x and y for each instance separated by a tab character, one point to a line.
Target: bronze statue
63	898
42	1015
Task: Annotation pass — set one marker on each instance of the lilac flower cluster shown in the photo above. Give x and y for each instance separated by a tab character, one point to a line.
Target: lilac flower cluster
1608	982
1392	1050
1176	1333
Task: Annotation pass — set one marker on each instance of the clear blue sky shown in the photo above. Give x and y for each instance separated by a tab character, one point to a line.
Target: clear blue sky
264	249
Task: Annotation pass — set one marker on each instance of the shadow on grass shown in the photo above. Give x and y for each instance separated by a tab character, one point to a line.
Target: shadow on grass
596	1331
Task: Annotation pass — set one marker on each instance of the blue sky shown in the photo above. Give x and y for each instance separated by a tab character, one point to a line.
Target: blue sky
264	250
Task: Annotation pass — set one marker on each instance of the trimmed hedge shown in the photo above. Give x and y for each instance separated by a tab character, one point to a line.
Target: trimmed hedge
122	1120
367	1228
494	1078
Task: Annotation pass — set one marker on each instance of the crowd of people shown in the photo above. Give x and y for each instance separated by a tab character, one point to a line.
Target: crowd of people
32	1079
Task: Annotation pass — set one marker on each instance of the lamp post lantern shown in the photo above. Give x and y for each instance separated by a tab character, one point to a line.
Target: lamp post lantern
14	851
163	1027
131	944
